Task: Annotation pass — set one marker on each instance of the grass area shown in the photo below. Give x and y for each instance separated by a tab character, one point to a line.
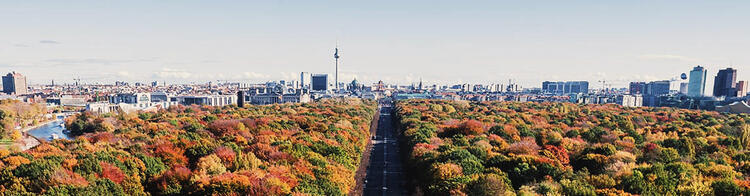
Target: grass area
6	142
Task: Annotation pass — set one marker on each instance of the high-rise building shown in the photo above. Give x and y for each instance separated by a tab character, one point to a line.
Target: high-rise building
697	82
725	83
657	88
742	88
553	87
684	88
241	98
14	83
651	91
320	82
304	80
565	87
637	88
576	87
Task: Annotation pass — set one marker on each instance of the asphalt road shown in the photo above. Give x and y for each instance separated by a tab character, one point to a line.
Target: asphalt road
385	173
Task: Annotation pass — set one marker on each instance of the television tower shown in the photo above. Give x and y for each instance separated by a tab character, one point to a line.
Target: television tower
336	56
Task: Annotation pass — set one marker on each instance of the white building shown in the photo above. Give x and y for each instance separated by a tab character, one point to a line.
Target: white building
130	102
630	100
265	96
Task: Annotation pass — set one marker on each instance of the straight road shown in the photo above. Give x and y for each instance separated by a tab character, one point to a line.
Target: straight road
385	173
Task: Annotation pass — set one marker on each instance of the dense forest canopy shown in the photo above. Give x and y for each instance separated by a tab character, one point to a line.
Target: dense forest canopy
505	148
192	150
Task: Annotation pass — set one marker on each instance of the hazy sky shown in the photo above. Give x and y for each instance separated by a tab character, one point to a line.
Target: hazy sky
396	41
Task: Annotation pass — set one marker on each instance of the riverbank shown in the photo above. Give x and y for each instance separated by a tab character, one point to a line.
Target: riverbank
28	141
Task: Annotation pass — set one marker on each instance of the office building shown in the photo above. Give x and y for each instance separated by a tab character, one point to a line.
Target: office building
568	87
241	98
742	88
320	82
637	88
67	100
725	83
630	100
14	84
162	97
304	80
684	88
697	82
576	87
657	88
143	100
130	98
553	87
650	91
266	96
210	100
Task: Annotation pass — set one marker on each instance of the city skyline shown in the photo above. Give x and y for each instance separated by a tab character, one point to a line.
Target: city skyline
443	42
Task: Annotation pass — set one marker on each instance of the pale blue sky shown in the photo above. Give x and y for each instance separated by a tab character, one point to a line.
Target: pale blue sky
397	41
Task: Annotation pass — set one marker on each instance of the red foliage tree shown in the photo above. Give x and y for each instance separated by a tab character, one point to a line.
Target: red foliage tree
224	127
471	127
176	175
170	153
102	137
111	172
226	155
558	153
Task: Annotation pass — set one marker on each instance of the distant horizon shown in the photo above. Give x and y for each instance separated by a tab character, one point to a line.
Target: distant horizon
675	82
440	42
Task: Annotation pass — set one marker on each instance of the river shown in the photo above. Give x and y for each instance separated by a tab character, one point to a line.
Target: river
51	128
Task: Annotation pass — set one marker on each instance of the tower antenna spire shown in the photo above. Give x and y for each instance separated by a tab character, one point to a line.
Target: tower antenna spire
336	57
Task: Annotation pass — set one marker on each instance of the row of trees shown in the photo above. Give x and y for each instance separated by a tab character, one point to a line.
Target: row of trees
16	113
199	150
492	148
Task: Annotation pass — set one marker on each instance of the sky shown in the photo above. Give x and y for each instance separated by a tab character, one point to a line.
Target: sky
443	42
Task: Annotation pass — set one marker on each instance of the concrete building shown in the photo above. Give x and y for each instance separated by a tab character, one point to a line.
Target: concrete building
684	88
653	90
742	88
266	96
162	97
651	100
130	98
553	87
210	100
568	87
576	87
725	83
67	100
14	84
102	107
630	100
697	82
657	88
304	80
129	102
637	88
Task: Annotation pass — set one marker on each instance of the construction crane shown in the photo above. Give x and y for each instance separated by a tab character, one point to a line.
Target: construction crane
605	86
76	80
